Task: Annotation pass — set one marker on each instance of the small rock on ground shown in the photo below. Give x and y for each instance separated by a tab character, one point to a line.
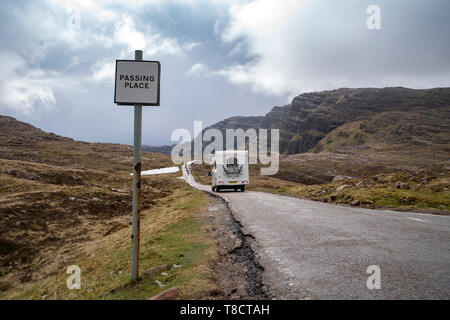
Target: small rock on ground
154	270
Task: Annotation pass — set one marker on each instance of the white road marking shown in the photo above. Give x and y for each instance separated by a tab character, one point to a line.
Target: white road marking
417	219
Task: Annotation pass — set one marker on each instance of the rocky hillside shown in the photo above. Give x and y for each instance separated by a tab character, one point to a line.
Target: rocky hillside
367	147
332	120
56	194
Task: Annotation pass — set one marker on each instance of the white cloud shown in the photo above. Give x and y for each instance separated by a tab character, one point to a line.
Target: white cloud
257	77
74	61
259	24
295	46
199	69
258	17
152	43
216	27
24	90
127	35
104	71
95	7
192	45
126	29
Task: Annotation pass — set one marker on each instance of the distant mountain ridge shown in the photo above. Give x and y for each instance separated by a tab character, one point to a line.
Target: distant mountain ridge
158	149
305	123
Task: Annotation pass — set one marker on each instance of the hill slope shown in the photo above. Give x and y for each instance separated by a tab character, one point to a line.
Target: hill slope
415	118
58	195
372	147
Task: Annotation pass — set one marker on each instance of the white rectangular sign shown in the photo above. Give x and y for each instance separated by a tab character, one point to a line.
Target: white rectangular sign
137	82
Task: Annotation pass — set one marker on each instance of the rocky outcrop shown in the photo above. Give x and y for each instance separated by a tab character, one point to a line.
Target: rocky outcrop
310	117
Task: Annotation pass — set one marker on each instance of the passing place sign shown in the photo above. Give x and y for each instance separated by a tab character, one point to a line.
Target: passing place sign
137	82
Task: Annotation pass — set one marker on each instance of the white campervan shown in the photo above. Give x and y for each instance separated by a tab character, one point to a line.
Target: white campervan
229	170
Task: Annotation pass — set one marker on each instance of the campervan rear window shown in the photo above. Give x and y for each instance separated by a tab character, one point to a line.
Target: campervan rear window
232	162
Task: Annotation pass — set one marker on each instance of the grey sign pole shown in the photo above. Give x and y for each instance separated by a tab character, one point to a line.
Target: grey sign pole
136	223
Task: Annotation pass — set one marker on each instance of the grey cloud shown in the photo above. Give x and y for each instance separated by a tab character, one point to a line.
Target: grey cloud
320	45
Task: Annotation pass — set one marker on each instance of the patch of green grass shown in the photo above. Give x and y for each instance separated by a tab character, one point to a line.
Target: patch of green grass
171	246
403	199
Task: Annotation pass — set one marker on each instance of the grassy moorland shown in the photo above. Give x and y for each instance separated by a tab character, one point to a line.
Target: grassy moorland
172	235
65	202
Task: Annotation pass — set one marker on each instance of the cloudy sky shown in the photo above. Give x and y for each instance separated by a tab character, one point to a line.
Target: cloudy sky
219	58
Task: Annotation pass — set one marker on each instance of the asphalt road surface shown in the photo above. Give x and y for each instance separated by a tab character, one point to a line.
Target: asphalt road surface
314	250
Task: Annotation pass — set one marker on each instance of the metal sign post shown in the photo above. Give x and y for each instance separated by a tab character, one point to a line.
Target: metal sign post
136	220
137	83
